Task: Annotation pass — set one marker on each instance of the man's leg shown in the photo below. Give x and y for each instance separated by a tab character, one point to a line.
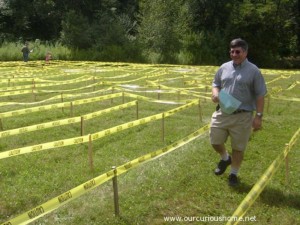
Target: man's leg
221	150
239	138
237	158
236	161
225	159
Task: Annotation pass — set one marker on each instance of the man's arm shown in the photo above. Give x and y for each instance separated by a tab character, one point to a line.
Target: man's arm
215	94
257	121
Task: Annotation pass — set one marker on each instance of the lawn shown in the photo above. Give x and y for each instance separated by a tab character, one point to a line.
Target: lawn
44	105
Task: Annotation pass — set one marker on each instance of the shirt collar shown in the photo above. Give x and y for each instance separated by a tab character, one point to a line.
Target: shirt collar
240	65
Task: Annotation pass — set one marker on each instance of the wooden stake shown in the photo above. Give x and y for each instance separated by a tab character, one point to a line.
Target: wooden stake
200	110
116	192
158	93
206	89
91	153
82	125
112	91
287	165
94	81
163	127
137	110
62	100
33	95
268	102
1	125
71	109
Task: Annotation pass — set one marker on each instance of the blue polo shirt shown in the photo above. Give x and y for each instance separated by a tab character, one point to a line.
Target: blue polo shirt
244	82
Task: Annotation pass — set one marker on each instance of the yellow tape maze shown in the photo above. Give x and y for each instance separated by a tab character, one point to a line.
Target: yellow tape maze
58	105
74	193
19	90
62	122
262	182
94	136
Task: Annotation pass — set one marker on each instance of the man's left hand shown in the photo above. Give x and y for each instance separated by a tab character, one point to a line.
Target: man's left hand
257	123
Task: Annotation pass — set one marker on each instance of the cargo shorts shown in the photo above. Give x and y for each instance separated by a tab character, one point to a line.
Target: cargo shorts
236	126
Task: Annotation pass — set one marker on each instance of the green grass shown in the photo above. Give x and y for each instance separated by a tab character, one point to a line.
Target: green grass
177	184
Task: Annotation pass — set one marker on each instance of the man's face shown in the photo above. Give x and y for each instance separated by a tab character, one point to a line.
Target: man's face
238	55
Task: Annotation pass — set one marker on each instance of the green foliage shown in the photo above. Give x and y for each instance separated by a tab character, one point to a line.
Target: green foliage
75	31
159	31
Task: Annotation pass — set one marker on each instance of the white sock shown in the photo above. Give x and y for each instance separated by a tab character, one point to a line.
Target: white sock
225	156
234	171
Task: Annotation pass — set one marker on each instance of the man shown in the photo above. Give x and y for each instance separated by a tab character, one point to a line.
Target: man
25	50
242	81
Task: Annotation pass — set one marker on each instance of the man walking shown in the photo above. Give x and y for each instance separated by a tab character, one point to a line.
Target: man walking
25	50
239	89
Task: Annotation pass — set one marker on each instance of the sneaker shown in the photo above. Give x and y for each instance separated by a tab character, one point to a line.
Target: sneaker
222	166
233	180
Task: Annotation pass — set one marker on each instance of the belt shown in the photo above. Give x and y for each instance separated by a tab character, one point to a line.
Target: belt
240	111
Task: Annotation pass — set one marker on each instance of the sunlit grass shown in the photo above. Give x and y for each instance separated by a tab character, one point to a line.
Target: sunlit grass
178	184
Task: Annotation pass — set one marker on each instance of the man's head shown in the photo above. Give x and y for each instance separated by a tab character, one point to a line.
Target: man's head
238	50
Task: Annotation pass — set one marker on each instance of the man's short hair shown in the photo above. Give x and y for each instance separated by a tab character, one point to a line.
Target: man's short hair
239	43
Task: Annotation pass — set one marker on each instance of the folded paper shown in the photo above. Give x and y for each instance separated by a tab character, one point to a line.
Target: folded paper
228	103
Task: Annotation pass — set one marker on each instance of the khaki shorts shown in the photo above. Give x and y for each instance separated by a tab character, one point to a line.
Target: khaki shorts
237	126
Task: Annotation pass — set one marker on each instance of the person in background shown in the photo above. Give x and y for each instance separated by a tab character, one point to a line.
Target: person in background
48	57
243	81
25	50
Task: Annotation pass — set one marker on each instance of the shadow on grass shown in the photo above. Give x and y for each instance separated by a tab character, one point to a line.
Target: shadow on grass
273	197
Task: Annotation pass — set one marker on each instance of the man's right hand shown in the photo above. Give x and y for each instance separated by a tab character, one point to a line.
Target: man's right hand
215	98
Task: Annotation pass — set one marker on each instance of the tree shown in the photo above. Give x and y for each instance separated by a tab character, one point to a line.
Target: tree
76	31
157	29
266	26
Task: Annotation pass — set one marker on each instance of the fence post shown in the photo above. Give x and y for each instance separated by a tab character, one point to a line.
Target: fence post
116	192
112	92
163	127
62	100
268	102
91	153
71	109
137	110
33	89
1	125
200	110
94	81
206	89
287	164
82	125
158	93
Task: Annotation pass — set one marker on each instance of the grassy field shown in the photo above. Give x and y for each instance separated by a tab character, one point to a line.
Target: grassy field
180	184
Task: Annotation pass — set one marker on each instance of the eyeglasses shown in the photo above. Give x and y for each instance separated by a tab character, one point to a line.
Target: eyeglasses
237	52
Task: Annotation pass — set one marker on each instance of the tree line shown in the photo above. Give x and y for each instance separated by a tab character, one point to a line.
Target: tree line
158	31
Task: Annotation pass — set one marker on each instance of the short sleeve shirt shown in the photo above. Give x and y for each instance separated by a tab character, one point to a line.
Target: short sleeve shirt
244	82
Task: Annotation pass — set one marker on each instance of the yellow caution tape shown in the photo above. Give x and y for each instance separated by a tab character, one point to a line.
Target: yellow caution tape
64	121
62	95
76	192
11	93
261	183
57	105
94	136
286	98
278	78
35	85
